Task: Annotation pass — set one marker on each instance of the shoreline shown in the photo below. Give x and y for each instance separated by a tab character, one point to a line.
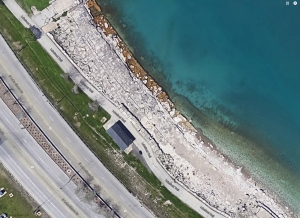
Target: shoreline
245	171
184	127
101	21
141	74
127	31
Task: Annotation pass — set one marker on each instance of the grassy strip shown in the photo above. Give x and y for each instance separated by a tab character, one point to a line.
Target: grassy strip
16	206
27	4
74	109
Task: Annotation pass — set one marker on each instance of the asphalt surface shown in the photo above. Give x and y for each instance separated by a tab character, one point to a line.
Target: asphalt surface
36	171
64	137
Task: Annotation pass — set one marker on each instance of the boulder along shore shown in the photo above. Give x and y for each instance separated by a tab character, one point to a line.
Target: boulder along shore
189	157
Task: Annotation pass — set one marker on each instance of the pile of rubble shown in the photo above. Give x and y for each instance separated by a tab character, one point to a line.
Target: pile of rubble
187	159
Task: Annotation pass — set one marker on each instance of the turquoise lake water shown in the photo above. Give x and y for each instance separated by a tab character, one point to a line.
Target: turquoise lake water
234	62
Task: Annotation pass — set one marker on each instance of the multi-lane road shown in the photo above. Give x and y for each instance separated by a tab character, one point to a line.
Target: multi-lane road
36	171
64	138
68	142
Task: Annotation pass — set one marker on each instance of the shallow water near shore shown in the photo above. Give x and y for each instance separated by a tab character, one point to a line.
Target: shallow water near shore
232	67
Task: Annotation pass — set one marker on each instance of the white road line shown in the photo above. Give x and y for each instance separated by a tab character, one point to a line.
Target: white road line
34	98
51	119
121	197
62	143
23	173
42	161
30	180
86	159
24	140
60	180
57	209
104	179
7	120
68	139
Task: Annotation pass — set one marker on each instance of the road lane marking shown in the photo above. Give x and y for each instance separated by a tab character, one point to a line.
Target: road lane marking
4	57
57	209
122	198
86	159
104	179
42	161
7	120
62	144
23	172
68	139
29	179
34	98
51	119
60	180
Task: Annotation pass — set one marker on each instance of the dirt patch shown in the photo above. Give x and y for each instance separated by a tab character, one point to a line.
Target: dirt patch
16	45
6	34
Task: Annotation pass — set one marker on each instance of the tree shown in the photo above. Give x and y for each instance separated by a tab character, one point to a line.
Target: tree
20	115
116	207
97	188
28	35
65	76
75	89
94	106
89	196
21	100
100	100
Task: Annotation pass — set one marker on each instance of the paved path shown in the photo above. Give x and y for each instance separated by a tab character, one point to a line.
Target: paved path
68	66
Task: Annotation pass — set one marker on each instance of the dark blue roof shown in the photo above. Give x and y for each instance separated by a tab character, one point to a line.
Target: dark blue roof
121	135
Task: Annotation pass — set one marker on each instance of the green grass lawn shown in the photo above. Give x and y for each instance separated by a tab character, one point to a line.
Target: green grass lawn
27	4
74	109
17	206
